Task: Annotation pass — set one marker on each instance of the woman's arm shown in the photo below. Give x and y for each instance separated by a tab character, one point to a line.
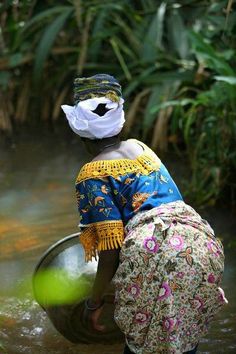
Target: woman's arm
107	266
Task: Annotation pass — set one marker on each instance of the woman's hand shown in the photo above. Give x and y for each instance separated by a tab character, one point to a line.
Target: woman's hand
95	316
107	266
92	315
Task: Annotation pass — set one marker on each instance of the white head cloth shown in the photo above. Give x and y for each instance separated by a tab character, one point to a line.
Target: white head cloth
87	124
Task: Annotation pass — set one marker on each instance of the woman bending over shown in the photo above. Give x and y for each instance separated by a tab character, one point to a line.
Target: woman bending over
163	258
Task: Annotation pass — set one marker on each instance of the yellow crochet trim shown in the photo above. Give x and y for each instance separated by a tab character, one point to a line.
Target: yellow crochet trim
144	164
88	239
102	236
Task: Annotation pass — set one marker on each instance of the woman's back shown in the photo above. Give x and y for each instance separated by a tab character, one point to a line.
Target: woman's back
123	181
128	149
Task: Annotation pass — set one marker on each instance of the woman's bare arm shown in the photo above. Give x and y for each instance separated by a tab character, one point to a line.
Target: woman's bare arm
107	266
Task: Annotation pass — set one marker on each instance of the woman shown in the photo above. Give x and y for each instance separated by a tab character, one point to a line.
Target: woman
164	260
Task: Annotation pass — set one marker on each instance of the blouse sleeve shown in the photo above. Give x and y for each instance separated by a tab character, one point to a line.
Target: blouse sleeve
100	219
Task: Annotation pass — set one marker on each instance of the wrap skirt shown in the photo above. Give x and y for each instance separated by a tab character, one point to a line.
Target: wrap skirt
167	285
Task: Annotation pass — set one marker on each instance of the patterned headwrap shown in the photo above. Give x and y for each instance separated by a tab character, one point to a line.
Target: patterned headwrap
88	94
100	85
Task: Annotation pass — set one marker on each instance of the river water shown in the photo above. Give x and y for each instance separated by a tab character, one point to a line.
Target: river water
38	208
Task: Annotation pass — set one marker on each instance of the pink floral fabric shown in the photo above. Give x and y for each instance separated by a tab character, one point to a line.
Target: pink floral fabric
167	283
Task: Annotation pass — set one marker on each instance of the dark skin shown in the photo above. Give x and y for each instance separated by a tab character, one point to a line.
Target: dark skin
106	149
107	266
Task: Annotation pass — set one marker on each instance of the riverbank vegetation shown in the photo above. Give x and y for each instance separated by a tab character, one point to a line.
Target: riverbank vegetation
175	60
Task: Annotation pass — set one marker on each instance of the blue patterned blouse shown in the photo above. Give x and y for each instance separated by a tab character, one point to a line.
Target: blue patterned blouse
111	192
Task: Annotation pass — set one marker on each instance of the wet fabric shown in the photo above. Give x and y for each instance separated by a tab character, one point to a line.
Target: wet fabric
168	280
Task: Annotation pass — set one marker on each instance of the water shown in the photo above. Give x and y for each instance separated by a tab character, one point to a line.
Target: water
37	208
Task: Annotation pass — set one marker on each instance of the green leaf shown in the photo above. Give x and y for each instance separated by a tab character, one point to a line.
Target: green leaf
4	78
206	53
156	96
131	37
170	76
15	59
4	351
98	34
126	49
160	93
170	103
229	79
217	6
120	58
160	24
153	39
177	34
139	80
218	21
47	41
45	15
190	119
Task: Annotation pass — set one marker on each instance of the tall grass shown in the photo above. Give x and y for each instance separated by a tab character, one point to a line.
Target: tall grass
176	62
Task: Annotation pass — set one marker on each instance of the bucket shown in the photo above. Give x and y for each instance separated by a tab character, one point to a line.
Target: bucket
62	280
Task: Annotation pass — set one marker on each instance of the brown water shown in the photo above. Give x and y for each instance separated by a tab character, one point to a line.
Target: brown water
37	208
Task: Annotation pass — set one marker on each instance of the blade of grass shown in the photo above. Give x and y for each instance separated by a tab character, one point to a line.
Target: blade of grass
84	43
120	59
44	15
47	41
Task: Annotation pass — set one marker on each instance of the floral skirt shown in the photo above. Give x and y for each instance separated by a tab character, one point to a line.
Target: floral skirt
167	282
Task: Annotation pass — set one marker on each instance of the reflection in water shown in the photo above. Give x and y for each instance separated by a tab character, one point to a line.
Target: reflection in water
37	208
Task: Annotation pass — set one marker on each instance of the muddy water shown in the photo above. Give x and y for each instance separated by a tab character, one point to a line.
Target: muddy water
37	208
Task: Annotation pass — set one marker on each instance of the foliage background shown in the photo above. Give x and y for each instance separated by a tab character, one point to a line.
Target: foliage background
175	60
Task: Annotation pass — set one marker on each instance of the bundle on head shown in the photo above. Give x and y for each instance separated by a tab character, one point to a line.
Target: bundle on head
100	85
